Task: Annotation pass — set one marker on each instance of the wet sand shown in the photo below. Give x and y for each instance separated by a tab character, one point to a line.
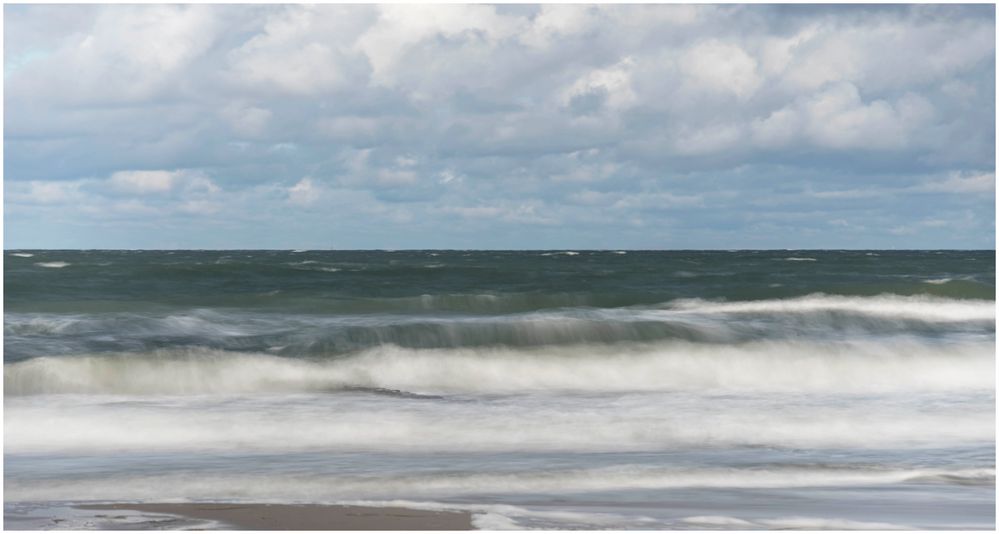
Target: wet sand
305	516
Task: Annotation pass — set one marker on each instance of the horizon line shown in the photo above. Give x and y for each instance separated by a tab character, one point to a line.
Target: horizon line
719	249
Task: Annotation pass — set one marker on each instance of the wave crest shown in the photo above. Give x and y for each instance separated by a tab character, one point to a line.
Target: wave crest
758	366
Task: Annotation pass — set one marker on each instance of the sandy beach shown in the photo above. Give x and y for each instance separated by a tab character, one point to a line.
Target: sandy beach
304	517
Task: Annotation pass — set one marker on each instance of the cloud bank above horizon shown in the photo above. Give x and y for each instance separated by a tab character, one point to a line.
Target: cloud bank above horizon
511	126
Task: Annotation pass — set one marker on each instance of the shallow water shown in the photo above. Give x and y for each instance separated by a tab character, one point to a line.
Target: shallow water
663	390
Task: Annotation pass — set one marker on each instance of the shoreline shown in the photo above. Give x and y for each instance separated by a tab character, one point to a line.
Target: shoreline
259	516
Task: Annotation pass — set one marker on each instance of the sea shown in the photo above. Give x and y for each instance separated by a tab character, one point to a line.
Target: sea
550	389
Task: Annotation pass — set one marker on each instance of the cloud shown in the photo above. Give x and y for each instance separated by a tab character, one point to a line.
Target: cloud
299	51
531	212
391	123
127	54
837	118
160	182
720	67
612	85
304	192
246	120
143	182
39	192
984	182
398	28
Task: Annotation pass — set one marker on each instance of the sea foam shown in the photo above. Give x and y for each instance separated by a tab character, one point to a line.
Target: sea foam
775	366
333	488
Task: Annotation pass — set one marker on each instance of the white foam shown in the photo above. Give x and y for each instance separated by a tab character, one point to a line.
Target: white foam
200	323
502	515
22	254
494	521
539	422
917	307
357	488
53	264
794	523
794	258
717	521
765	366
938	281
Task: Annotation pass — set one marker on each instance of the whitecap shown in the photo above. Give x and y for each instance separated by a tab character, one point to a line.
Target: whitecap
917	307
53	264
21	254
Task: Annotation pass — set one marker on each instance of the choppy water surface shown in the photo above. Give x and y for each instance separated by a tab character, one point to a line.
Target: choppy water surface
555	389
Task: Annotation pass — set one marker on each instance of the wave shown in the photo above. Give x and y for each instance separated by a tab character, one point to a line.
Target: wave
788	523
22	254
358	288
921	308
313	265
855	366
816	318
335	488
53	264
348	419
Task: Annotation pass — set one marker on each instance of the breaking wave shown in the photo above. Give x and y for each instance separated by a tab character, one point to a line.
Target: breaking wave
818	317
856	366
922	308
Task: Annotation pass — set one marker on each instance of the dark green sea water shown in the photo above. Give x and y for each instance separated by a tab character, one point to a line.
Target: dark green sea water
596	389
472	281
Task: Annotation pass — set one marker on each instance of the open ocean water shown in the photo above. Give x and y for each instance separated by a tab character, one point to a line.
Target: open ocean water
551	389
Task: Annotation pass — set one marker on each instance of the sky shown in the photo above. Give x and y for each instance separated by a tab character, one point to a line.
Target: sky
499	127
